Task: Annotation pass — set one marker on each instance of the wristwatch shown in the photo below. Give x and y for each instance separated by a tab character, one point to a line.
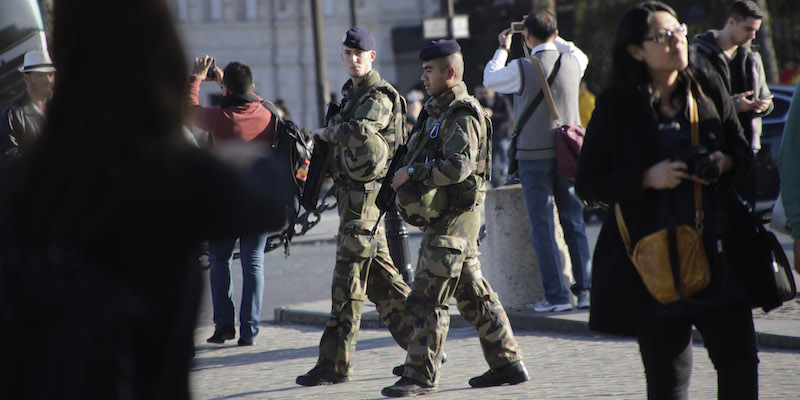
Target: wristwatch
504	47
410	171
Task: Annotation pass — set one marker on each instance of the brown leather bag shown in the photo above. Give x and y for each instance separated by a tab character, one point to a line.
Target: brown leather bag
666	280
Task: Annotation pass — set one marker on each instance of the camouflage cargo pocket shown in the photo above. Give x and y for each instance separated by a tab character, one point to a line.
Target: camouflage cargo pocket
444	255
354	239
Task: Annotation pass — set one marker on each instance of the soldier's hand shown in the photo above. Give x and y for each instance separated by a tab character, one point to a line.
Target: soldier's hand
201	65
400	178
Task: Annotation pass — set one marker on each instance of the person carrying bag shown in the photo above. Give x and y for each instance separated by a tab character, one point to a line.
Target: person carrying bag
672	261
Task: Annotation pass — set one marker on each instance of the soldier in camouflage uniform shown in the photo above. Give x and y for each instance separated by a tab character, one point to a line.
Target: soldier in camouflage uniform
450	153
363	136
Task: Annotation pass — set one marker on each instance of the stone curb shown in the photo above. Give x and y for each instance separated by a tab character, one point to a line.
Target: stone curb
316	314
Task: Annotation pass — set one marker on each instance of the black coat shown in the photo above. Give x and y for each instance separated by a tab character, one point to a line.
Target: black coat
620	144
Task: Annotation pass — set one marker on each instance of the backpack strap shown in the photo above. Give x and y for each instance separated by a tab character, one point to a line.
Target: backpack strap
483	165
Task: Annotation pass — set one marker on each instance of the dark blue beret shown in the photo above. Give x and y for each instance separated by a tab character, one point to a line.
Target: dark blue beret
439	48
359	38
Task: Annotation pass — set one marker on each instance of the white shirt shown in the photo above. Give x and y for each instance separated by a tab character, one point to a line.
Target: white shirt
504	78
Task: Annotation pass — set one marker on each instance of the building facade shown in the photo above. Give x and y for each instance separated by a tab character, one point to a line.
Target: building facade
275	38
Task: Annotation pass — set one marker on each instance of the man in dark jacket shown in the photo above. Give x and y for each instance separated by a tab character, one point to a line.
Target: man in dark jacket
23	121
240	118
740	66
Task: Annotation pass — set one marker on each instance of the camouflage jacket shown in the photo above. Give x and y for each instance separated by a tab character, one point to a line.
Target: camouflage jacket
377	114
462	145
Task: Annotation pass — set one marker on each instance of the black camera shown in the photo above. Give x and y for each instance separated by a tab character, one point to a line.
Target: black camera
699	161
212	73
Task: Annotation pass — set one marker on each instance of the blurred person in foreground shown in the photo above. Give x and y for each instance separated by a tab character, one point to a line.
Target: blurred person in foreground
100	223
22	122
640	125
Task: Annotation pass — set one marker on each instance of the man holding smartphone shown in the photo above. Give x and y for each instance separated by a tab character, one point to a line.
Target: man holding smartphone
239	118
740	67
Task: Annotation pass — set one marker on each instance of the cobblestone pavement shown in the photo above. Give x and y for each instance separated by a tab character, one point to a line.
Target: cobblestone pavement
790	310
562	366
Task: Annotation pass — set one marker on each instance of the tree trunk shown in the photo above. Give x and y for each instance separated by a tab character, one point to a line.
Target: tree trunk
549	5
767	49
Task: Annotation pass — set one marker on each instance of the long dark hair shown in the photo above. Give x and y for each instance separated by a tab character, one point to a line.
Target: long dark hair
119	89
630	73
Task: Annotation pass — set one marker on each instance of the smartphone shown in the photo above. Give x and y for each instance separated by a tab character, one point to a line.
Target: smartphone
517	27
211	75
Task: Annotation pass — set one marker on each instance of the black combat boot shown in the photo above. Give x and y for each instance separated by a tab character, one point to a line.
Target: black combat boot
222	333
407	387
398	370
511	374
320	375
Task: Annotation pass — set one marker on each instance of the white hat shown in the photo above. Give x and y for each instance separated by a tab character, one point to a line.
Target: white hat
37	61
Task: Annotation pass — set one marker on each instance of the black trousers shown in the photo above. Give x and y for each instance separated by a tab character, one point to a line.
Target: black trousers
728	335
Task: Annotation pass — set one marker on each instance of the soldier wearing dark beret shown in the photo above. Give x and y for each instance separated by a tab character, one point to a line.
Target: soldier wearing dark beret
362	135
450	158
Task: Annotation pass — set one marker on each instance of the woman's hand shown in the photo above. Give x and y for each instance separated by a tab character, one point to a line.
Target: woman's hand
665	175
724	163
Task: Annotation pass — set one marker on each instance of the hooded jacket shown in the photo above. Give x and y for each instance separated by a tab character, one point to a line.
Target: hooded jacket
743	73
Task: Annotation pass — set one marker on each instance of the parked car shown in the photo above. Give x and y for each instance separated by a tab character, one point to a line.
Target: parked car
771	135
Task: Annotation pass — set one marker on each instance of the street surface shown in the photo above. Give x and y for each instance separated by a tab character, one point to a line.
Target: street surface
562	366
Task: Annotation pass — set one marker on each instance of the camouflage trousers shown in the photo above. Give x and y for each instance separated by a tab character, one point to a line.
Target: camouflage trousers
353	282
448	267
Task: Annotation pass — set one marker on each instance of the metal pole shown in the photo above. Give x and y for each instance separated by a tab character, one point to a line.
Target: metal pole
323	93
447	10
353	16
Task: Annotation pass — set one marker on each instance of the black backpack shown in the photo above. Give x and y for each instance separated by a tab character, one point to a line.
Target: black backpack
294	146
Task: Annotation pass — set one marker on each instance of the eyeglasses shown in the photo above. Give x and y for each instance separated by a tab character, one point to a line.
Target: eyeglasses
667	36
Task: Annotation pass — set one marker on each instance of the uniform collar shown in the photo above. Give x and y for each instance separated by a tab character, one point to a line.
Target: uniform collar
441	103
370	79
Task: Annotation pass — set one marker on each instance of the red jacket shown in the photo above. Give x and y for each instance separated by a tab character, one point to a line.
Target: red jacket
248	122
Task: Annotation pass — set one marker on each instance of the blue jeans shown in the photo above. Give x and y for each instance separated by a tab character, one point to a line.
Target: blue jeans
251	249
543	182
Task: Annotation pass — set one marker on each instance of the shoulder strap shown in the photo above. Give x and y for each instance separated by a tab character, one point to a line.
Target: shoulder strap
531	107
272	109
548	95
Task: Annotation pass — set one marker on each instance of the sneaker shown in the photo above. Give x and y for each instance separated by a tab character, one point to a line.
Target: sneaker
222	333
407	387
513	179
511	374
400	369
546	306
584	300
321	376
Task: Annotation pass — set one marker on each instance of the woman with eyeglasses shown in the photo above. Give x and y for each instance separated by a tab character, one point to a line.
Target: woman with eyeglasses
639	154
